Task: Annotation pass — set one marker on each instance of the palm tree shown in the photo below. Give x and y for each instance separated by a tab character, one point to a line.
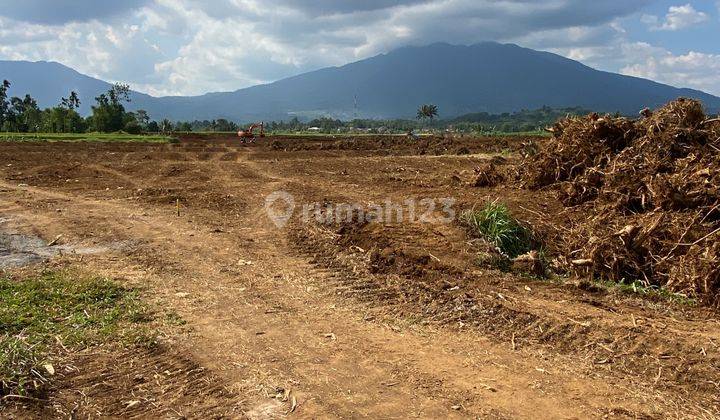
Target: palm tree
73	102
427	111
166	126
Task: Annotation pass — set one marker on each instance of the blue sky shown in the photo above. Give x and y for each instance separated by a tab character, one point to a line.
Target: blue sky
191	46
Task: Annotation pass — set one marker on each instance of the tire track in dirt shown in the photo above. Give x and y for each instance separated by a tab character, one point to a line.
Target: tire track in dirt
598	338
212	311
264	325
140	384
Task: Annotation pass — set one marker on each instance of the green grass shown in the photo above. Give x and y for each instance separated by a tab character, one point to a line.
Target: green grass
634	288
495	223
639	288
208	133
514	134
96	137
56	310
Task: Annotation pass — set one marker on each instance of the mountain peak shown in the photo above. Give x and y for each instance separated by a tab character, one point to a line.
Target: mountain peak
460	79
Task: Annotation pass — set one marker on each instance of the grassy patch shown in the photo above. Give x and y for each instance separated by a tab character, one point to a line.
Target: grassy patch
40	315
635	288
97	137
639	288
208	133
495	223
514	134
173	319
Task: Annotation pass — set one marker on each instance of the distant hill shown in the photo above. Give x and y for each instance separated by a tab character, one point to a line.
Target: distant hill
486	77
48	82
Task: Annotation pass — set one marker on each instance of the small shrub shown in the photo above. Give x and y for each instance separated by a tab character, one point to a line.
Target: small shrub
495	223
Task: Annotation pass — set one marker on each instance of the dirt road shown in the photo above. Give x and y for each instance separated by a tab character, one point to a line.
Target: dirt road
353	320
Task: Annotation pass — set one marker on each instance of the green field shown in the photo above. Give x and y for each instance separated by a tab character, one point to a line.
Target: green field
98	137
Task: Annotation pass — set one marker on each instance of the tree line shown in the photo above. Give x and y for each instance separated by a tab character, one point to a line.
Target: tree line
426	118
108	114
23	115
520	121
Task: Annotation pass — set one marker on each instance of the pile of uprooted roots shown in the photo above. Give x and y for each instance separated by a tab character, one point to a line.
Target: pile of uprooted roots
646	193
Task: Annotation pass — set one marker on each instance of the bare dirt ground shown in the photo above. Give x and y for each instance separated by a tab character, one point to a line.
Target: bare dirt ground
347	320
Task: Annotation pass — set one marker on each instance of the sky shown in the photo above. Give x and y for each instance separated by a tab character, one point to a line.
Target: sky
190	47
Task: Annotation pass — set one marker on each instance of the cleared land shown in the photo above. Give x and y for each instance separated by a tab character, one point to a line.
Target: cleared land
338	320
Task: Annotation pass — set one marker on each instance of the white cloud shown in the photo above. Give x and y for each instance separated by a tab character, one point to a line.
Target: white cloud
691	69
694	69
245	43
98	49
187	47
677	17
193	46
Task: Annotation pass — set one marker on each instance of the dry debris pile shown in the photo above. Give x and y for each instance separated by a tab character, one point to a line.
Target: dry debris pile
487	175
648	192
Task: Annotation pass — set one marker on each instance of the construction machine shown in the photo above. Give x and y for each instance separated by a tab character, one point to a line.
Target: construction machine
249	135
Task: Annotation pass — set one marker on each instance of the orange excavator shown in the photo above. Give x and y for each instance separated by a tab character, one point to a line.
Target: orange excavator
249	135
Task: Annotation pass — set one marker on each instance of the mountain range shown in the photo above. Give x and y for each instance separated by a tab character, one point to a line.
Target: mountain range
459	79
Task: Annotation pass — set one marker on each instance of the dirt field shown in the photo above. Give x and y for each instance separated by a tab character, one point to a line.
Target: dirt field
341	320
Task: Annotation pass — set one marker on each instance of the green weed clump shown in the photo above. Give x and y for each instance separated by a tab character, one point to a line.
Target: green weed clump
56	310
495	223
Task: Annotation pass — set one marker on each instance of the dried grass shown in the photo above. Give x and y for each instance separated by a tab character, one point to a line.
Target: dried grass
649	193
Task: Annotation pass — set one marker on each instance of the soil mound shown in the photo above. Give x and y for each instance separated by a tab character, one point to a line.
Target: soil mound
646	192
487	175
